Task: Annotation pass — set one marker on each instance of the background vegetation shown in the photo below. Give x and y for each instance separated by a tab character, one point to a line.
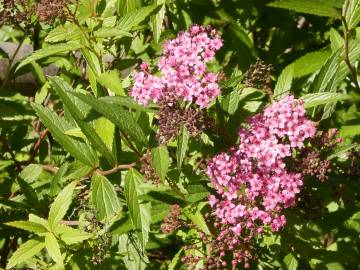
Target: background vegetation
75	147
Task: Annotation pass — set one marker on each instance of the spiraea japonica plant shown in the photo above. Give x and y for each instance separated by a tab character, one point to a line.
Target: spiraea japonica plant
174	134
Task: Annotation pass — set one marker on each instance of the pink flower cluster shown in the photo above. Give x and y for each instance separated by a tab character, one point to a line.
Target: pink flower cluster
252	181
183	69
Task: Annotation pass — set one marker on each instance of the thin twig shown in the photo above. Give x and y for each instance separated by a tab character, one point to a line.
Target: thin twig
129	144
37	145
70	222
11	61
117	168
346	44
50	168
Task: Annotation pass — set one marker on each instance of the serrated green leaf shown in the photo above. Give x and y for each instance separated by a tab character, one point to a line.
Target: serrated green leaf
70	235
136	214
50	50
198	219
343	149
182	146
160	160
41	95
134	18
327	76
291	262
316	99
63	89
121	118
104	197
230	102
31	172
28	192
113	32
65	32
28	226
175	260
75	132
336	40
126	6
57	127
25	252
54	185
133	257
111	80
106	130
353	14
43	222
307	6
283	85
125	101
157	19
61	204
53	248
310	63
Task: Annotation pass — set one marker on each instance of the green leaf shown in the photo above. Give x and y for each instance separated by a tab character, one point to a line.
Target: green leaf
61	204
316	99
53	248
326	78
106	130
70	235
29	192
175	260
25	252
313	7
126	6
349	130
310	63
157	19
336	40
111	80
50	50
343	149
230	102
160	161
41	221
104	197
291	262
28	226
31	172
113	32
283	85
57	127
65	32
121	118
132	256
63	89
134	18
353	14
182	146
198	219
135	212
75	132
125	101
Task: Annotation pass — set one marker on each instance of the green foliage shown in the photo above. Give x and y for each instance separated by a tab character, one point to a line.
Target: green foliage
80	161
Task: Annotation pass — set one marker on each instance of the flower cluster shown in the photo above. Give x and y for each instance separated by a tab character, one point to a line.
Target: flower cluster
50	10
183	70
171	117
15	12
313	160
148	170
252	182
258	75
172	219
